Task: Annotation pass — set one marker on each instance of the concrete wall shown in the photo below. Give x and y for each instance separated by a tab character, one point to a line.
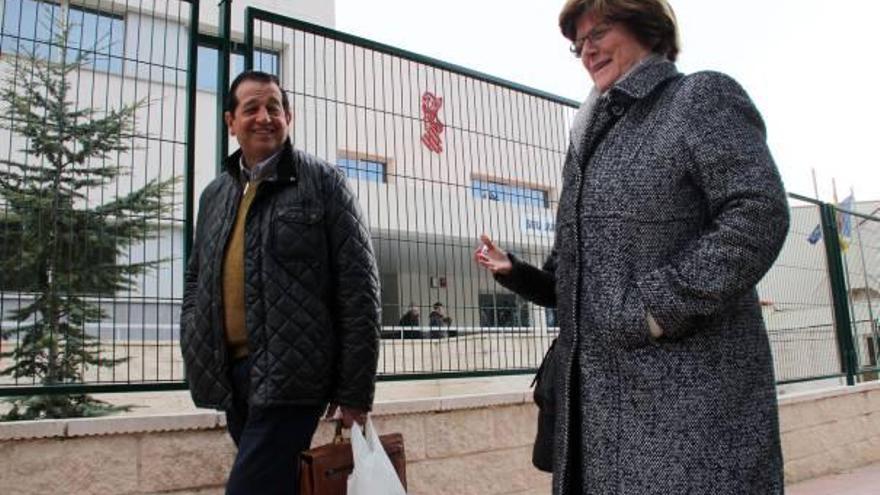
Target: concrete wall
831	431
464	445
479	444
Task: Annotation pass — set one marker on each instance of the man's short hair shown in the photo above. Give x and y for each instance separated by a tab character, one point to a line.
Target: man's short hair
258	76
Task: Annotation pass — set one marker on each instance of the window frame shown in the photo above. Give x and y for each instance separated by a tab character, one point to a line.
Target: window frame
520	311
479	190
237	53
387	165
111	61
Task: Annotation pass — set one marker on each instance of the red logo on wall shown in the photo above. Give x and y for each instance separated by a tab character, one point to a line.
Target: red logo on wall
431	105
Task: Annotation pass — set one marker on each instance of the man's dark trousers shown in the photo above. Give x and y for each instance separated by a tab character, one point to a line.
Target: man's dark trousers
269	441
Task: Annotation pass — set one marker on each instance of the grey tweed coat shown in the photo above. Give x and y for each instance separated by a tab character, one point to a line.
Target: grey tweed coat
671	205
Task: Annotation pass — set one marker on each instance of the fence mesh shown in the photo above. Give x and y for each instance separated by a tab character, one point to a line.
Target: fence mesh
91	244
93	156
436	157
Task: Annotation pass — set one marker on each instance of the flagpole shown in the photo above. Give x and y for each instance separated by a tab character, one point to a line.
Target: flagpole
846	281
815	184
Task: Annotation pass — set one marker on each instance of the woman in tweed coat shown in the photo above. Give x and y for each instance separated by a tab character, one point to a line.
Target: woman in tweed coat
671	212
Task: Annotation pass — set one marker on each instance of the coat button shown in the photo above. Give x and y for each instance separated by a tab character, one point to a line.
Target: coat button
617	110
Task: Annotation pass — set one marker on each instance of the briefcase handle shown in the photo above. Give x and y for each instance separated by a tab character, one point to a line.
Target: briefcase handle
338	438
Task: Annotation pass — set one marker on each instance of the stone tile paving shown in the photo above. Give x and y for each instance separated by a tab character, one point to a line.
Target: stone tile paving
862	481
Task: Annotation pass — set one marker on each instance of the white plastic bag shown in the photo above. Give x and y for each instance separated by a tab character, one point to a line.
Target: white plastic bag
373	472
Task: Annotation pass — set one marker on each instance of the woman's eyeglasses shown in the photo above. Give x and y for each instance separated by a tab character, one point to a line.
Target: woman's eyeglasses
592	37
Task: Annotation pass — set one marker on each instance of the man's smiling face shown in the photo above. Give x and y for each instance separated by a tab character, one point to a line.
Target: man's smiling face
259	122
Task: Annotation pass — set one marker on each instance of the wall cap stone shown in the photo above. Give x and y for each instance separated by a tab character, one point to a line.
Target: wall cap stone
405	406
79	427
20	430
142	424
475	401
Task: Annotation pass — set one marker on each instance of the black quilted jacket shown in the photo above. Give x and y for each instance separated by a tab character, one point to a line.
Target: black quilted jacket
311	290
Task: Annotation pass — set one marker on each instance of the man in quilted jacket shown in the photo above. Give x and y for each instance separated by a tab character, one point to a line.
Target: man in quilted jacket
281	306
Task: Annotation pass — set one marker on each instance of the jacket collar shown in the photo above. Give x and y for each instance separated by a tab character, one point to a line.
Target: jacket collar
644	79
284	170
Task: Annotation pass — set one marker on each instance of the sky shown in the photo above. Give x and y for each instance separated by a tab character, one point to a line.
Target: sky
809	65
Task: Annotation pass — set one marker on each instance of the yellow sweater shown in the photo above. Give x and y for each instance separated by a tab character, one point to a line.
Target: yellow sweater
233	279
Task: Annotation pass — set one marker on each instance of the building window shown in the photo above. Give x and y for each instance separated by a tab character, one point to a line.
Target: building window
550	317
264	61
30	27
870	345
206	79
370	170
507	193
503	310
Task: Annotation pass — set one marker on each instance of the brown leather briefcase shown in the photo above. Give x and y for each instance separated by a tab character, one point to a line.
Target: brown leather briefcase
324	470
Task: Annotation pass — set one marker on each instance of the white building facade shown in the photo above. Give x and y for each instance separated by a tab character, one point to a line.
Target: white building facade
436	154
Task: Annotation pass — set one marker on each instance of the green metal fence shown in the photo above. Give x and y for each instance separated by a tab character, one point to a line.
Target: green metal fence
820	299
436	153
796	303
96	156
860	240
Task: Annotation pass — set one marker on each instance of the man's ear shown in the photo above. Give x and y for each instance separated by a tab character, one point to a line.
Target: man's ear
289	115
227	116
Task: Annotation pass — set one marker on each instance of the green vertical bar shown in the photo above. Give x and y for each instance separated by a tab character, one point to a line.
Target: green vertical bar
842	326
223	79
190	173
249	39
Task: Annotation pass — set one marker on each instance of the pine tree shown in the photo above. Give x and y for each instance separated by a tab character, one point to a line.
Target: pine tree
67	247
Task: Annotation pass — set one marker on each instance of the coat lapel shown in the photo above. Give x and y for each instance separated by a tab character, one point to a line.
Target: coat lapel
643	80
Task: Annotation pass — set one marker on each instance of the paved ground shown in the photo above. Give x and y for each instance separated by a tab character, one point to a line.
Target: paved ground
863	481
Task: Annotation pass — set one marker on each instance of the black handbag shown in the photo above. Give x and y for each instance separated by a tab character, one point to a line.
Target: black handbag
544	395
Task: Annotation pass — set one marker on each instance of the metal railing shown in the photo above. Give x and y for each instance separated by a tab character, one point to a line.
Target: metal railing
436	153
820	298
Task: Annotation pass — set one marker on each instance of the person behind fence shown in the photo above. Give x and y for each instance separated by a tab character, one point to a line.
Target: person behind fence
411	318
281	301
438	317
671	211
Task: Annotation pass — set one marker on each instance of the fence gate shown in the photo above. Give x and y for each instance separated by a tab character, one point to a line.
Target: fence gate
437	154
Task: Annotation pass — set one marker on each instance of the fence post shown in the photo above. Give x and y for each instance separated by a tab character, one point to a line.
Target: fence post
223	56
191	90
249	39
837	279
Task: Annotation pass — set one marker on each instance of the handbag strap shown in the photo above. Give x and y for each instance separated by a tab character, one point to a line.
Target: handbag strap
543	363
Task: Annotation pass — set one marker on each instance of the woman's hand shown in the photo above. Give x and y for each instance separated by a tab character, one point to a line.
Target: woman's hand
490	257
